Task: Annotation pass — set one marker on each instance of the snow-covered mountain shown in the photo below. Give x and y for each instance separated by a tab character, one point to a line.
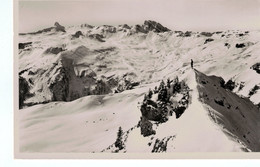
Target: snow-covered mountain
131	89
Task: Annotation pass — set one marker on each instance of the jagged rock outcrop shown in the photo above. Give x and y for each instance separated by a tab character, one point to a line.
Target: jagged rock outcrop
137	28
253	90
24	91
256	67
86	25
240	45
60	86
59	27
65	84
102	88
105	29
124	26
161	145
54	50
127	82
126	85
108	28
68	86
206	34
208	40
146	127
154	111
227	45
24	45
183	34
97	37
77	34
150	25
87	73
230	85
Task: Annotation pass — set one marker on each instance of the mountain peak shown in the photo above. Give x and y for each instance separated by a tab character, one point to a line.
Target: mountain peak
150	25
59	27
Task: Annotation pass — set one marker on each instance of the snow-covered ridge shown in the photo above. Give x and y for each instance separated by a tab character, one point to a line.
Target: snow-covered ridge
219	128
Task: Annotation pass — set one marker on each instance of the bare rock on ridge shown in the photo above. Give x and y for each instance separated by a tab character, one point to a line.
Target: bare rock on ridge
59	27
150	25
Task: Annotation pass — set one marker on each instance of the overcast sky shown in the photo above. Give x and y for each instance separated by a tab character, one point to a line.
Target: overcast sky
196	15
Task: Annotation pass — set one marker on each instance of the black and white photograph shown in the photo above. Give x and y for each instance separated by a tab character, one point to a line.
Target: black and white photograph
137	79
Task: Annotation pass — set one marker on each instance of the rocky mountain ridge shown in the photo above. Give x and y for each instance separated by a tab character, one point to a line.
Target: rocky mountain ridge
89	64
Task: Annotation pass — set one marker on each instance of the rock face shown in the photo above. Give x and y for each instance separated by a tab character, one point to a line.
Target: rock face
24	45
127	82
105	29
77	34
108	28
161	145
256	67
60	86
97	37
86	25
146	127
153	112
240	45
72	75
230	85
230	111
59	27
150	25
65	84
206	34
102	88
254	90
125	26
54	50
137	28
208	40
23	91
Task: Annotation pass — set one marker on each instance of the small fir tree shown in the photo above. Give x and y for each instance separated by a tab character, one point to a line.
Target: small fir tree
168	83
150	94
119	141
162	85
155	90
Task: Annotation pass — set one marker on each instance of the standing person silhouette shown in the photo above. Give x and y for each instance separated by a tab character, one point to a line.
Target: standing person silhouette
191	63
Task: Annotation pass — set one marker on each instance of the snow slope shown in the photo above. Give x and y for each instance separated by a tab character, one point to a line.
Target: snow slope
238	117
84	125
90	124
